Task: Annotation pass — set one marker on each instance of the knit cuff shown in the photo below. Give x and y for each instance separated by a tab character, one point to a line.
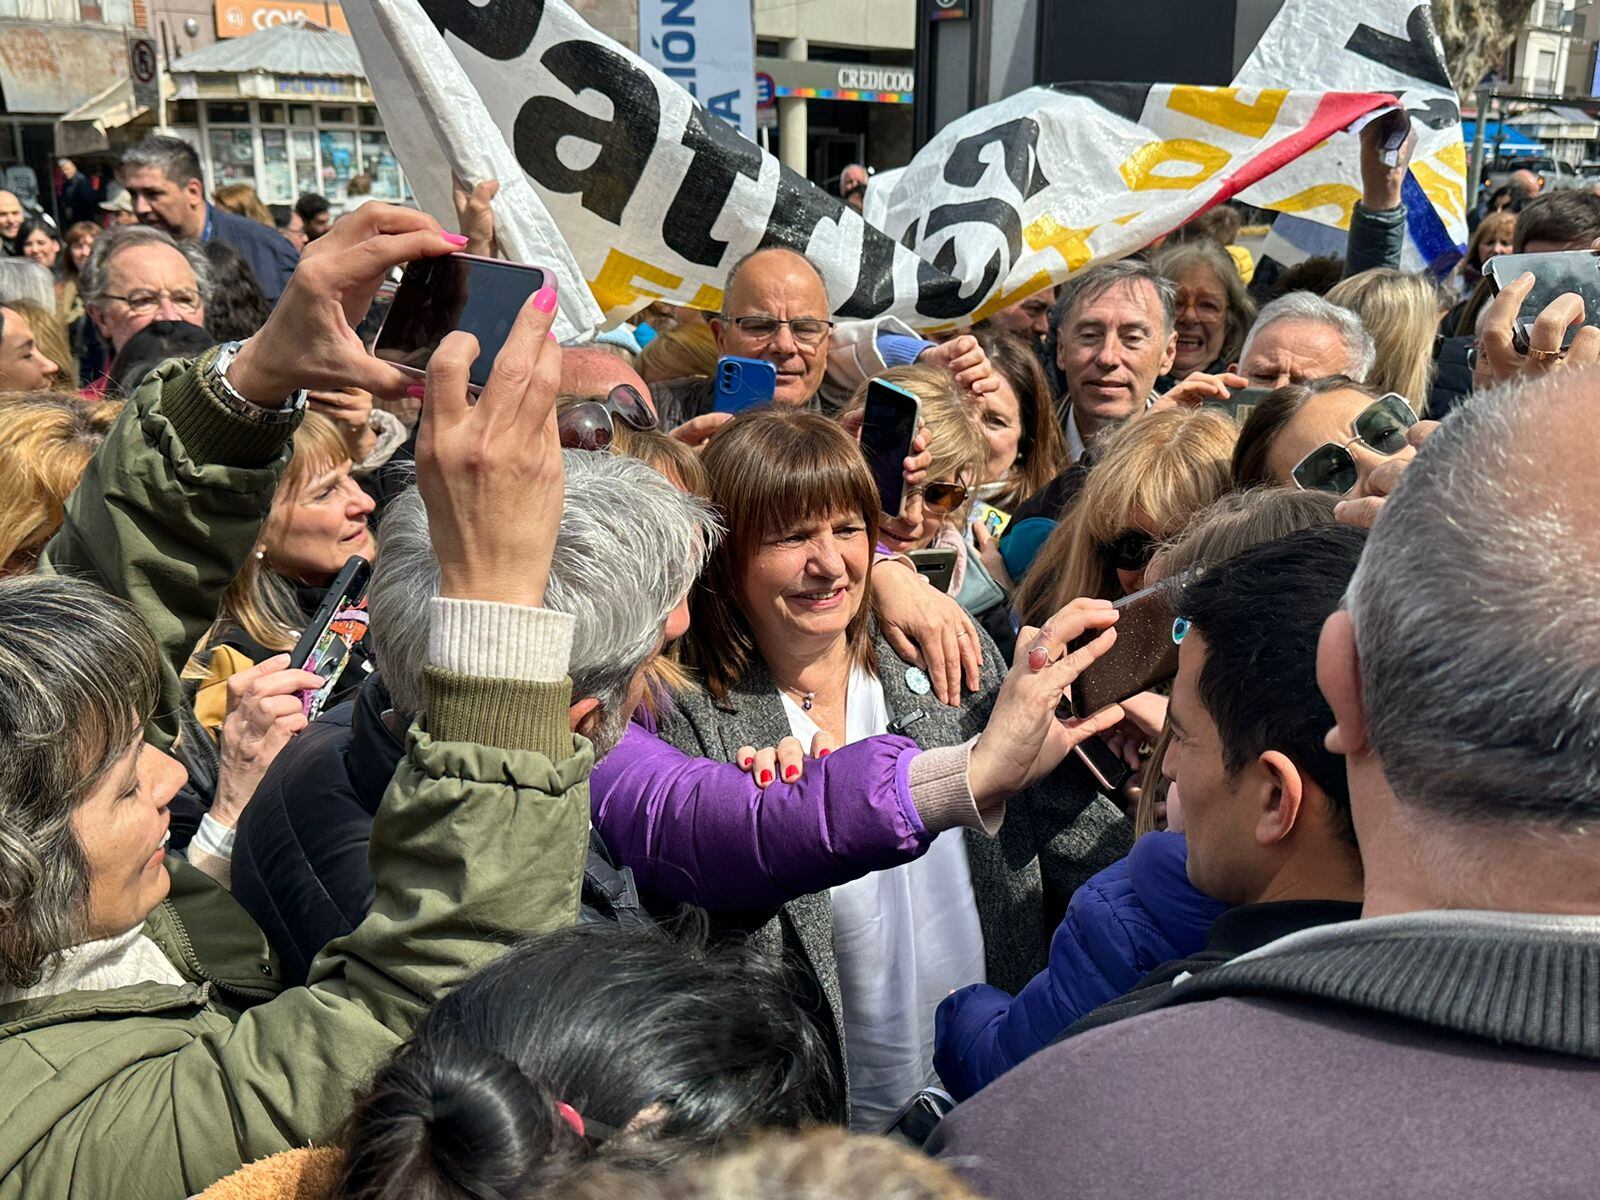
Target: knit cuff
511	714
490	640
210	431
898	350
944	800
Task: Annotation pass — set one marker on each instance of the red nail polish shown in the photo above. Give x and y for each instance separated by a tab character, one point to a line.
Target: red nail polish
417	391
746	761
455	239
766	778
791	772
545	299
825	754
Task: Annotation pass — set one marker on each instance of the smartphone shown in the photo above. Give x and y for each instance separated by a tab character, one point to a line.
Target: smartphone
1143	655
1105	764
938	567
341	621
991	518
1241	402
744	383
1554	274
481	296
887	429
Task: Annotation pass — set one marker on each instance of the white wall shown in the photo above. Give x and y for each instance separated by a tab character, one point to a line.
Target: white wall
869	24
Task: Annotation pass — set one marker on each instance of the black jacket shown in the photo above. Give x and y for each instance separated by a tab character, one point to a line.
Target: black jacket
300	854
1237	931
267	251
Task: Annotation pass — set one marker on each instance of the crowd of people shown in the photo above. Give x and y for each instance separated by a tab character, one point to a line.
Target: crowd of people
676	830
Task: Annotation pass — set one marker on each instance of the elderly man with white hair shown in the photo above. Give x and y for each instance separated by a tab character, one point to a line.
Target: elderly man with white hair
1301	336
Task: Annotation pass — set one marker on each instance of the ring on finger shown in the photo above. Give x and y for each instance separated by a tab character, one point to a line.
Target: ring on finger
1544	355
1038	658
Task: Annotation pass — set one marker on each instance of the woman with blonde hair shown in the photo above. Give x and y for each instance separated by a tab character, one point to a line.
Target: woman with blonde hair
687	352
51	337
1401	312
242	200
46	442
1153	475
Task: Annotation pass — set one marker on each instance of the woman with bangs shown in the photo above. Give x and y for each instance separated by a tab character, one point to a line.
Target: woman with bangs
1154	474
785	646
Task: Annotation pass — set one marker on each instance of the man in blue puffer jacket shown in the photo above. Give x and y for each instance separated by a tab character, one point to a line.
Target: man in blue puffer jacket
1133	916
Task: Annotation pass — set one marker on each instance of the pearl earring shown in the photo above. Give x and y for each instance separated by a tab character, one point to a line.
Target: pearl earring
261	554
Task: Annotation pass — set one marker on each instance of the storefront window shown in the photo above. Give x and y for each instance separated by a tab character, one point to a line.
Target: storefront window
369	116
277	181
338	161
337	115
302	114
303	147
227	113
233	157
272	114
378	161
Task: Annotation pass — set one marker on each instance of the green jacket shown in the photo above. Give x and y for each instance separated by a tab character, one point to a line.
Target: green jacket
157	1090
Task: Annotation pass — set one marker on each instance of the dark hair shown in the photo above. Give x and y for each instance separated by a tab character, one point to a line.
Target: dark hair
39	225
1042	452
173	157
672	1047
1316	275
1568	217
311	206
1259	682
281	214
1271	417
1088	286
236	306
152	346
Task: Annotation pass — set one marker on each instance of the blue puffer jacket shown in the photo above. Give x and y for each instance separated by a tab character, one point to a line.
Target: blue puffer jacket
1129	919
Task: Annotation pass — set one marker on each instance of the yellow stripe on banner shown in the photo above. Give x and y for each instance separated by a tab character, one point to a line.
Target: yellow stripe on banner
1324	195
1000	300
1454	156
1445	194
616	287
1221	107
1139	172
707	299
1071	244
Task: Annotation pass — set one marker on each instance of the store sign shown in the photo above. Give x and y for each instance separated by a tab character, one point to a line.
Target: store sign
708	48
313	85
238	18
863	82
612	175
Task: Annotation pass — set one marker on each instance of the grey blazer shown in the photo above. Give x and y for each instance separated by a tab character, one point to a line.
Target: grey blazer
1055	836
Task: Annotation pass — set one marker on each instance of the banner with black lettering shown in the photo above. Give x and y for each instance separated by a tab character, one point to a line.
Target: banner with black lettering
624	182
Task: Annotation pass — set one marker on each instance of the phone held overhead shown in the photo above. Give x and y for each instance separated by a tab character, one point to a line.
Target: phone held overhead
888	428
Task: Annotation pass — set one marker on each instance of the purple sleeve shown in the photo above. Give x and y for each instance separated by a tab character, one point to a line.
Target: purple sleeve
701	832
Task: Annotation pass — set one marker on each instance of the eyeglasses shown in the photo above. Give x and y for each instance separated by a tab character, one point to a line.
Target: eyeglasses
1130	550
808	331
589	426
1380	427
944	497
142	304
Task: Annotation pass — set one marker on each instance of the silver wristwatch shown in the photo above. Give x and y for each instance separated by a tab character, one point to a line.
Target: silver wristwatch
217	376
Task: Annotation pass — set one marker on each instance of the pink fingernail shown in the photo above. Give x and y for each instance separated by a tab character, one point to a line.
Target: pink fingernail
550	337
545	299
455	239
417	391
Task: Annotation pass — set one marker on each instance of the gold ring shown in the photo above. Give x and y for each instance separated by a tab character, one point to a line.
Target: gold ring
1544	355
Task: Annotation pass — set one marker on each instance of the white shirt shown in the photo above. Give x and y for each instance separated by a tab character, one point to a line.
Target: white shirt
903	939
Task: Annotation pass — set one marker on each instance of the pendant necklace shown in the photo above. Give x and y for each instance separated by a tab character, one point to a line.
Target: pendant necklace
807	699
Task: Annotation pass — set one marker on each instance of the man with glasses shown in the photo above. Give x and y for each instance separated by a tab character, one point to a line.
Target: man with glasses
137	275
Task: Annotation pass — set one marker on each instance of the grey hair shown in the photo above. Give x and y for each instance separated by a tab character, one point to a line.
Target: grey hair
1308	306
78	679
173	157
95	278
631	546
1477	619
24	279
1088	286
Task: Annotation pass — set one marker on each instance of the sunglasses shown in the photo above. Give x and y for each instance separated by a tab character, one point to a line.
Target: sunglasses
944	497
1380	427
590	425
1130	550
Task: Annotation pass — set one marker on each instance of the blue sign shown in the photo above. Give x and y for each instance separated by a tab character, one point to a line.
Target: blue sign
766	90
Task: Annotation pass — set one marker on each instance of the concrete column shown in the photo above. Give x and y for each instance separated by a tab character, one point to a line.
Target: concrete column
792	115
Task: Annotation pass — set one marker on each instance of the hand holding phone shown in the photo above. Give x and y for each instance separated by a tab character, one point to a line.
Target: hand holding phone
744	383
1143	657
888	428
340	622
1554	275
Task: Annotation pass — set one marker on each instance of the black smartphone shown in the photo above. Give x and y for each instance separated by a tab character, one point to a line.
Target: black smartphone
1105	764
1143	655
341	621
938	567
481	296
1554	275
887	429
1241	402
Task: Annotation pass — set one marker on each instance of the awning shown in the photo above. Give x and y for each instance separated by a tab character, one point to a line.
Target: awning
1509	140
86	129
53	68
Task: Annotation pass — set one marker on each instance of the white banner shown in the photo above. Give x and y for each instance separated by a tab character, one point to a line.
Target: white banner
708	48
623	181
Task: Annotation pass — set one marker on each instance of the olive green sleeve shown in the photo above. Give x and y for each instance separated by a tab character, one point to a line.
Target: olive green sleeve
170	509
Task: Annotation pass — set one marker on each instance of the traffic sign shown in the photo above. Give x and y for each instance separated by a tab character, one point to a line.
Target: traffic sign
766	90
144	70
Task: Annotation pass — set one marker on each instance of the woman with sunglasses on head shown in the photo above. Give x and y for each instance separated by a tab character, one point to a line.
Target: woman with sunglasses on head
1153	475
785	645
1328	435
